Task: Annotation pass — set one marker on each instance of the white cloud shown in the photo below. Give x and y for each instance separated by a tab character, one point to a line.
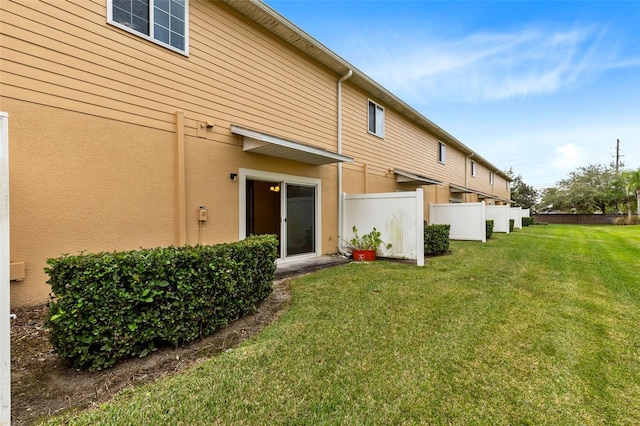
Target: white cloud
486	66
569	157
545	156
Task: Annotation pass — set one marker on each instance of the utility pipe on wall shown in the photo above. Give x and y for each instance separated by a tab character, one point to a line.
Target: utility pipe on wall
340	204
181	180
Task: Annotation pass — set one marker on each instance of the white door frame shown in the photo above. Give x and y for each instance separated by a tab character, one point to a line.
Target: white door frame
260	175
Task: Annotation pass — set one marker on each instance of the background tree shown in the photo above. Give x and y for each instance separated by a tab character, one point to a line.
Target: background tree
553	199
588	189
630	180
522	195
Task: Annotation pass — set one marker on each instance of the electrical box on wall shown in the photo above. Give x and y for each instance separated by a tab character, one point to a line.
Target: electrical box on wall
16	271
202	214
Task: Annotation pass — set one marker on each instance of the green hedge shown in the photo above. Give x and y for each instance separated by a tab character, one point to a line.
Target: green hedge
436	239
512	223
526	221
489	225
109	306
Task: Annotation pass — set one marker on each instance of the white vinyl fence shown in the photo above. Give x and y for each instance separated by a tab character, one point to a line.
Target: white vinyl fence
526	212
467	220
515	213
399	216
500	217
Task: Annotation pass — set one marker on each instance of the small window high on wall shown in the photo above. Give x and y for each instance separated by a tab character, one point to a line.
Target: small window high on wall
376	119
442	153
165	22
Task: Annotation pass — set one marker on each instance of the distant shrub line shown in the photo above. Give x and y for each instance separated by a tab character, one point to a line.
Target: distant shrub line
633	220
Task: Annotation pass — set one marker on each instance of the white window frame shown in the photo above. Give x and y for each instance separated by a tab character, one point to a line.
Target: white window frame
491	178
442	152
378	119
150	36
473	168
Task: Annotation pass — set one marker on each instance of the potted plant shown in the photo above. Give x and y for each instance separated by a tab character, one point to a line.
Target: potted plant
364	248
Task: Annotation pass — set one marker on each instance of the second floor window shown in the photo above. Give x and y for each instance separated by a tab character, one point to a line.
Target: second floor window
442	152
491	178
376	119
473	169
162	21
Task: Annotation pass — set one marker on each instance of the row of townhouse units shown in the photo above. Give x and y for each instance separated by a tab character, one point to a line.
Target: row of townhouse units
153	123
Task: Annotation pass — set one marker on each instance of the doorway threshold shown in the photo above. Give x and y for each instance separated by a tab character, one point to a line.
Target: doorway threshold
292	268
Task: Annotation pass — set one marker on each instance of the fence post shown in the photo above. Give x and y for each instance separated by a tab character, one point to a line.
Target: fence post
5	326
420	226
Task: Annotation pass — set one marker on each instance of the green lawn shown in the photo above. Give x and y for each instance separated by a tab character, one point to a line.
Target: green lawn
541	326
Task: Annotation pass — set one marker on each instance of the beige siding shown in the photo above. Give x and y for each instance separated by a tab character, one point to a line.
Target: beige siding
501	188
66	55
481	182
404	146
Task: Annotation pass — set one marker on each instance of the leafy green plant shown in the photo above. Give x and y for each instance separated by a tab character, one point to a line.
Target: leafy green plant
436	239
369	241
109	306
512	223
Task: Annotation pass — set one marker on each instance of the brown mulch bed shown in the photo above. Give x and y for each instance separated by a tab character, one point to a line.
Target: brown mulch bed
42	385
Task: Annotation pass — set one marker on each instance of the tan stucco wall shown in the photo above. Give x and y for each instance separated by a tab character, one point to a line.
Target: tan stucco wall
83	183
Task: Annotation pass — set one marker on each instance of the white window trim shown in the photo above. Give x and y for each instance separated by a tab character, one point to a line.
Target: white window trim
379	129
442	152
473	168
491	178
150	38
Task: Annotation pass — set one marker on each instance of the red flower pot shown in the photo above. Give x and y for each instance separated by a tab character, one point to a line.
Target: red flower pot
364	255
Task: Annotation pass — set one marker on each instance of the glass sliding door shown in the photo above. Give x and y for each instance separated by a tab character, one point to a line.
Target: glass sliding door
300	219
288	206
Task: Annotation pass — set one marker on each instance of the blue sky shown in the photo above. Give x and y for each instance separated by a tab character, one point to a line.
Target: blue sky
543	87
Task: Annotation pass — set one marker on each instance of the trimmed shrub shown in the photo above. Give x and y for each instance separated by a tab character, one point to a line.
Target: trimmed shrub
633	220
109	306
489	225
526	221
436	239
512	223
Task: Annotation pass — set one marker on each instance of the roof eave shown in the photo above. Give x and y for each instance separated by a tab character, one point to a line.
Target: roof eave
268	18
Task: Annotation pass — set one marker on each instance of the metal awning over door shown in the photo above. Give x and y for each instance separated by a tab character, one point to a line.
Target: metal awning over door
414	179
481	195
262	143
